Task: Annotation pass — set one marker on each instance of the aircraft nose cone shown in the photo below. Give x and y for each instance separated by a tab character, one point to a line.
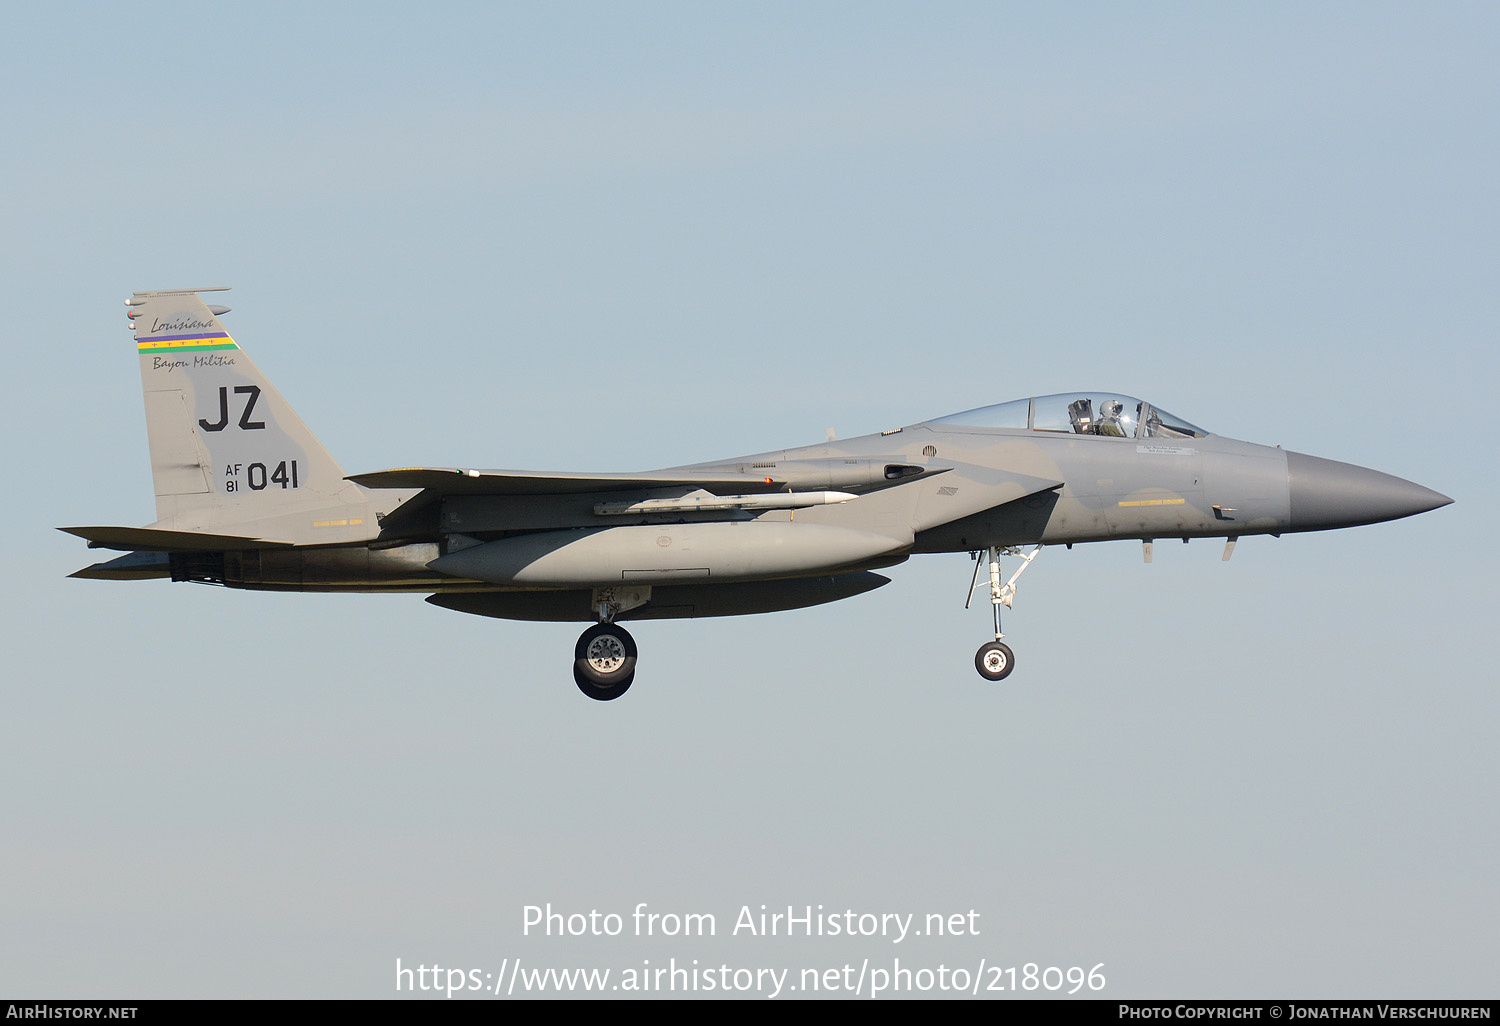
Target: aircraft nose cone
1326	494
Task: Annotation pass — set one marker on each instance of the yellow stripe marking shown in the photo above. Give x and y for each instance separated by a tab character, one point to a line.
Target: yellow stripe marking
182	343
337	523
1154	502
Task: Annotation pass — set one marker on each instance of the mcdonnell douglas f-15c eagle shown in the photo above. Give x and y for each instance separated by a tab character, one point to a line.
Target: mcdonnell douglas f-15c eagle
247	498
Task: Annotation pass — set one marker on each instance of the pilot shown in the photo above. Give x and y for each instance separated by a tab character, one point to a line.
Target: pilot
1109	418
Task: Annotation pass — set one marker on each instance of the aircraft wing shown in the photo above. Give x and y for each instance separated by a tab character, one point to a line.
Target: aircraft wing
449	481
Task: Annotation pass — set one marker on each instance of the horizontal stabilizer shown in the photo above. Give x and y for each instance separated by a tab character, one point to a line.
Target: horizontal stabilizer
147	539
133	566
447	481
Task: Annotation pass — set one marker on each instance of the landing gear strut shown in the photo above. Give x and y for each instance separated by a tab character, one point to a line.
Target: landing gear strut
995	660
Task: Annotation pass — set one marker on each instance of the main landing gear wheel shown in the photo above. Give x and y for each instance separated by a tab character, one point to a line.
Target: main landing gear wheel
604	661
995	661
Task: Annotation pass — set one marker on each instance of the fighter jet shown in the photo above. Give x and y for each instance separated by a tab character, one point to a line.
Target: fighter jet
247	498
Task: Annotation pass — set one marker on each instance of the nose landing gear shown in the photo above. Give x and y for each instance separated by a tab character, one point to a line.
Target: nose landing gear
995	660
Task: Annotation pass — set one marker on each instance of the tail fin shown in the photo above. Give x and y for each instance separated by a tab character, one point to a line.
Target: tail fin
226	449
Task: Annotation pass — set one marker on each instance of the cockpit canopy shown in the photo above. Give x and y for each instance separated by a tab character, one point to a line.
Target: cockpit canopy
1080	413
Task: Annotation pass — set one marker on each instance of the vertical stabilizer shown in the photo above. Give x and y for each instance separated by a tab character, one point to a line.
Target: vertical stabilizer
225	446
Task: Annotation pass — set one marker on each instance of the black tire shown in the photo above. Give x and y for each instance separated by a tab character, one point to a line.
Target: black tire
605	655
994	661
602	692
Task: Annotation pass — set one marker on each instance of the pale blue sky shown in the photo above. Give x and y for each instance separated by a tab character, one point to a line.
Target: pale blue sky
614	237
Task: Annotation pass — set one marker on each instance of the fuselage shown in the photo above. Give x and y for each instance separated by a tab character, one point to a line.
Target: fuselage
953	487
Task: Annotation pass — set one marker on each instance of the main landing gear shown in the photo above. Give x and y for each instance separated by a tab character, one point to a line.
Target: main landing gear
604	661
995	660
604	658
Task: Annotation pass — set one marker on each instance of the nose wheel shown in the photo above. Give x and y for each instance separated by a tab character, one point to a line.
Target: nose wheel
604	661
995	660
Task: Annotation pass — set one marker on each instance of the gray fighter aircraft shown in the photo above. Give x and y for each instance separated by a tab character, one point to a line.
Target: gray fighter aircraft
247	498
